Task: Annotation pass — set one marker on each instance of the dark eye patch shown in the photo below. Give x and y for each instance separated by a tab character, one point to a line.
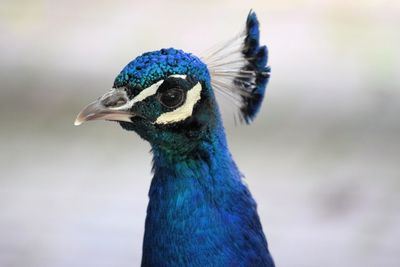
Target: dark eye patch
172	98
173	82
172	92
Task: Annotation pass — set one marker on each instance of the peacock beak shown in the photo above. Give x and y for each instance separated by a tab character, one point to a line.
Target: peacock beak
113	106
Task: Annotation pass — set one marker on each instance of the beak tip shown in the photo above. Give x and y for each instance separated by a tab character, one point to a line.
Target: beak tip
77	122
97	111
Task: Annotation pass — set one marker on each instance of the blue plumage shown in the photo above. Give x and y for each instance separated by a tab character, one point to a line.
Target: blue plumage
200	213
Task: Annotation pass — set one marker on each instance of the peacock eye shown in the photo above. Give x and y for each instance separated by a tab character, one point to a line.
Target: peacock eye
172	98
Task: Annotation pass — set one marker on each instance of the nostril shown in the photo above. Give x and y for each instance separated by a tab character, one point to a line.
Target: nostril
120	102
114	100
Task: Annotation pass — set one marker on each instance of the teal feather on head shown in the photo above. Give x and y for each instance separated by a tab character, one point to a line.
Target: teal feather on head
153	66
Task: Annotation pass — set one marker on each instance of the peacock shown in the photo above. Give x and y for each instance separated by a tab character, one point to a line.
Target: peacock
200	212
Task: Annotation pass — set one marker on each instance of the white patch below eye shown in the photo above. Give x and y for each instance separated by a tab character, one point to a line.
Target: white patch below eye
183	112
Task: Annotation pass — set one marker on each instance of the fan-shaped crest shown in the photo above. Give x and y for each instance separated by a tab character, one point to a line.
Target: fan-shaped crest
239	69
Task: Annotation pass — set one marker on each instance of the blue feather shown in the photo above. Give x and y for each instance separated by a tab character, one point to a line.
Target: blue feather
200	213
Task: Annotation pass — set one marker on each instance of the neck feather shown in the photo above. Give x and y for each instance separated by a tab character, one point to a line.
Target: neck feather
200	212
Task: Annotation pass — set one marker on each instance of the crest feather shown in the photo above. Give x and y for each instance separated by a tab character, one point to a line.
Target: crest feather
239	70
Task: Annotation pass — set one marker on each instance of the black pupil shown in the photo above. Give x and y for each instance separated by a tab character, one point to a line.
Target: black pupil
172	97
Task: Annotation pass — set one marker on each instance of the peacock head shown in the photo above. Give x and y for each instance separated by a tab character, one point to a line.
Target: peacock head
167	96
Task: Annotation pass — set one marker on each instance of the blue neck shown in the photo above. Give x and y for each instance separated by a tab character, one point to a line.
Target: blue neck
200	213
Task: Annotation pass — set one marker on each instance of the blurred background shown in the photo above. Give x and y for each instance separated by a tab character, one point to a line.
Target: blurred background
322	159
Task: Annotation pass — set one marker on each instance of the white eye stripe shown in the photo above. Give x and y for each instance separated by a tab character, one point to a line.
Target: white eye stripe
183	112
149	91
145	93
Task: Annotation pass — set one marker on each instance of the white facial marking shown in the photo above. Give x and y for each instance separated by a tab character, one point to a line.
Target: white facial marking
184	111
181	76
145	93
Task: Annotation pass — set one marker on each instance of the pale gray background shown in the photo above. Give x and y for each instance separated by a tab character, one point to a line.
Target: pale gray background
322	158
